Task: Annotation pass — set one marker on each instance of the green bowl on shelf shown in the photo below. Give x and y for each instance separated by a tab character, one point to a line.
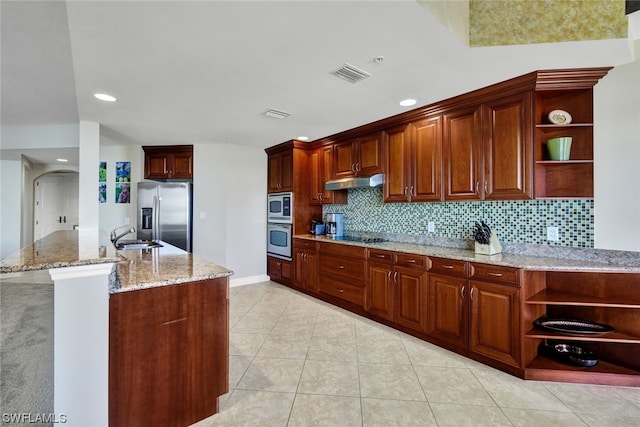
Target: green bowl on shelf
559	148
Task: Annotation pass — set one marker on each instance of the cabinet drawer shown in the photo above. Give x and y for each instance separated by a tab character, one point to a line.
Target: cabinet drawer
494	273
304	244
349	268
339	289
414	261
448	266
341	249
380	256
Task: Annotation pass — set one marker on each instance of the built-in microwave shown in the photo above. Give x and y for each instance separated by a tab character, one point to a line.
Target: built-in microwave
280	207
279	240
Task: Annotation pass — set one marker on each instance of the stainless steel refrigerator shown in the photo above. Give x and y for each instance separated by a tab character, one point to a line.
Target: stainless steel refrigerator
165	212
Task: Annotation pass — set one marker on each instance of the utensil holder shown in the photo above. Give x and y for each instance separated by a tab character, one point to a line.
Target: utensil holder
494	246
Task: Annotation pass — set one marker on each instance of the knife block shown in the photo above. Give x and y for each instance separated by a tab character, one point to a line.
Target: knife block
494	246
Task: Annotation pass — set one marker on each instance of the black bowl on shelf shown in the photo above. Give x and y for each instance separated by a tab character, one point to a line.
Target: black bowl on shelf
570	353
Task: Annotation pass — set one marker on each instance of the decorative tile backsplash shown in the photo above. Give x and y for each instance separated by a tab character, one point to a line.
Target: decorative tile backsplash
518	221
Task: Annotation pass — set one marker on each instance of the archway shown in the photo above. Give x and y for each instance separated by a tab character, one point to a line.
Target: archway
55	202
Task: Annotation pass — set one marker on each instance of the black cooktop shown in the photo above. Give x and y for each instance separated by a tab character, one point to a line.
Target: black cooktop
362	239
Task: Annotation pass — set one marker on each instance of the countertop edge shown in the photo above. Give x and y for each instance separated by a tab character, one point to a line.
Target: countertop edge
525	262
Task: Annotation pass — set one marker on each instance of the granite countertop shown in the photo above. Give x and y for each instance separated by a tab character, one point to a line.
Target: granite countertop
134	269
523	261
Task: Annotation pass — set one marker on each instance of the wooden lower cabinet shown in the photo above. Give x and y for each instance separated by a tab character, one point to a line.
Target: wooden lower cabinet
341	272
495	321
279	270
168	353
306	269
448	317
395	292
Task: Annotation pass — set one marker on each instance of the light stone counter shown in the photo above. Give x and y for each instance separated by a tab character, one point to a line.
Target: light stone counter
135	269
629	262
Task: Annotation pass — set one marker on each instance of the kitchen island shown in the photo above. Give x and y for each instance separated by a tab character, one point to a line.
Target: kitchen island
140	337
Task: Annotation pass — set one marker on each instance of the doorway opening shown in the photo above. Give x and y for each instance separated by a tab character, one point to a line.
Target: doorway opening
55	203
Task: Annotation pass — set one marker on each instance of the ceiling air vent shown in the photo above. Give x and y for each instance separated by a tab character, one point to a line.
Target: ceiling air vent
276	114
351	73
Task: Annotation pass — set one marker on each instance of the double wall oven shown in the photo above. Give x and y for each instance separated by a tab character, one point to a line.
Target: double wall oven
279	224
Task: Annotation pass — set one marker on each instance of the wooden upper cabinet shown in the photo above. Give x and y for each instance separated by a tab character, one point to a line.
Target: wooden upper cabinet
507	148
359	156
168	162
280	172
413	162
397	169
462	148
320	171
488	150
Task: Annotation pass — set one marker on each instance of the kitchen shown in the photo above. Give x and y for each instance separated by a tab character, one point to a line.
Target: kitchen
240	242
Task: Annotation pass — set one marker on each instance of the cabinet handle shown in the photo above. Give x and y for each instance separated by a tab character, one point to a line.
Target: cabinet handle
411	260
471	294
494	274
353	167
448	266
462	292
486	188
340	267
358	168
477	187
395	277
341	291
411	191
379	256
60	220
389	275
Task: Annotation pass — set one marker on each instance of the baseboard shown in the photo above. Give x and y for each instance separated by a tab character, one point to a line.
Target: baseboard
248	280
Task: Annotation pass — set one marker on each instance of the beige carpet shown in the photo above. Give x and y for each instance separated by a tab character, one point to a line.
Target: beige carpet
26	344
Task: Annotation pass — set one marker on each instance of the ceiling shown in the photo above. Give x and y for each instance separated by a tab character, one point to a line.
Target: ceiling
205	72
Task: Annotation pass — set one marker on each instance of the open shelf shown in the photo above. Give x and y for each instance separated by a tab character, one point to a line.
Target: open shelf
570	125
543	368
614	336
554	297
562	162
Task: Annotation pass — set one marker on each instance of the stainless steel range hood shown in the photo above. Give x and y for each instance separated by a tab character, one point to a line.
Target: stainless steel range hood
355	182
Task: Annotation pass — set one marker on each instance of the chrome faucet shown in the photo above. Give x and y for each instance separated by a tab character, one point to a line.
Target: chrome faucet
115	238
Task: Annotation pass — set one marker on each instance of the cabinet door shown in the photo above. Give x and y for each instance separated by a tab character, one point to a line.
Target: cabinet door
495	321
155	166
462	147
426	164
299	268
380	299
397	154
274	173
280	172
369	159
311	264
316	183
411	298
447	315
508	148
345	158
182	165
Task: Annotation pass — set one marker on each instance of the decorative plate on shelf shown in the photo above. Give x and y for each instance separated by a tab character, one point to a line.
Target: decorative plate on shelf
560	117
568	326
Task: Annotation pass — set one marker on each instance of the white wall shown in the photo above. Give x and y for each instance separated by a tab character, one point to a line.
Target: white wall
114	214
617	157
230	191
10	202
89	153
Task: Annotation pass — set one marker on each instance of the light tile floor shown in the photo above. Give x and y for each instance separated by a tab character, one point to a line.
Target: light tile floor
297	361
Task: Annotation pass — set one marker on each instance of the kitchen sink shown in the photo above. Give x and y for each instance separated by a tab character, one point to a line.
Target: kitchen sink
125	245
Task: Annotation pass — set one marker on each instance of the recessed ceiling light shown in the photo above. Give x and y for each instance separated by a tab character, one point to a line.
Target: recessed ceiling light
408	102
62	160
303	138
104	97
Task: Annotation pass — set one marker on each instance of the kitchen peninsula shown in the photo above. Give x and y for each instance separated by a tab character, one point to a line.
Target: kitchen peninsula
140	336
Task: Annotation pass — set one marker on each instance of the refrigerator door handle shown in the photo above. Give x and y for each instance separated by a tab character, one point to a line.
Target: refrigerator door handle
156	222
